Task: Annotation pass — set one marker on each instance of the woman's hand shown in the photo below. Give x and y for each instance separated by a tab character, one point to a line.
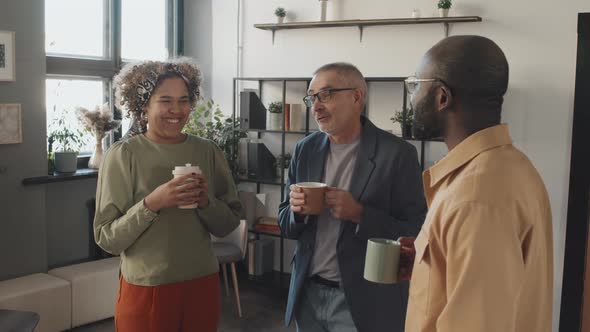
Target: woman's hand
183	190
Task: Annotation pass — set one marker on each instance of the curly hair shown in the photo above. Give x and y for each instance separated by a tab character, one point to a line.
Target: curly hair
136	82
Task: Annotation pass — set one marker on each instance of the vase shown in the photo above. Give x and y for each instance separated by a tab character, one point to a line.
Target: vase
407	130
443	12
96	157
324	5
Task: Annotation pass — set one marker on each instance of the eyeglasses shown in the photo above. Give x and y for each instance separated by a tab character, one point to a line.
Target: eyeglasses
323	96
412	83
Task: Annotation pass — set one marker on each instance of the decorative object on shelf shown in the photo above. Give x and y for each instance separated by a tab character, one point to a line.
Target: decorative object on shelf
207	121
261	162
297	117
243	157
67	141
10	124
282	162
280	13
323	6
275	117
99	122
7	56
252	111
443	7
404	118
415	13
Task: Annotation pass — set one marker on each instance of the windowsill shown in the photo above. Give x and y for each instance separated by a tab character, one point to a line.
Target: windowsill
80	174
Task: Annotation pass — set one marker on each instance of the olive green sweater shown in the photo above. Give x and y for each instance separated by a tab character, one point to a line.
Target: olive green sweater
174	244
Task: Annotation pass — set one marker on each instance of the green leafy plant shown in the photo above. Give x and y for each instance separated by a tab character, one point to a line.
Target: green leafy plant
405	120
444	4
64	137
275	107
280	12
207	121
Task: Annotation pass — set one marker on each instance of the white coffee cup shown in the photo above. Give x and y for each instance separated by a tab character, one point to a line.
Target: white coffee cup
184	170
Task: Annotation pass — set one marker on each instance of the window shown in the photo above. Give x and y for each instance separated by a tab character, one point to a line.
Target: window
88	36
64	95
140	40
86	50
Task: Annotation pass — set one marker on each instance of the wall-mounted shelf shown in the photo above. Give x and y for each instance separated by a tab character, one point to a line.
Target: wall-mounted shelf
295	132
365	23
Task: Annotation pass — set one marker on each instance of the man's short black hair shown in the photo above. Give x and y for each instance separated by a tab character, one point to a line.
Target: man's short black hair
475	68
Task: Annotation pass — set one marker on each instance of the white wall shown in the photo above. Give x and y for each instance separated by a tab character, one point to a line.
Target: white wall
538	37
198	38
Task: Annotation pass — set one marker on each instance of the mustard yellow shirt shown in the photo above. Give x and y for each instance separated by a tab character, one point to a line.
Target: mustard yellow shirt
484	256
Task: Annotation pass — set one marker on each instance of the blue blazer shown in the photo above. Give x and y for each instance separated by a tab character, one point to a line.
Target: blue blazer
387	182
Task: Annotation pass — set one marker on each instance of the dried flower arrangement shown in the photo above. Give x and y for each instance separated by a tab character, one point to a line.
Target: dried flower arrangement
99	121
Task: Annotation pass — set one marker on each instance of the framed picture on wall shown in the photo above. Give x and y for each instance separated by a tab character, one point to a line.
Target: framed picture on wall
7	56
10	124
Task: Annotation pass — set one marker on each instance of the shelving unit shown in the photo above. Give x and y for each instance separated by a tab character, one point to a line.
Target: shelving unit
260	132
361	24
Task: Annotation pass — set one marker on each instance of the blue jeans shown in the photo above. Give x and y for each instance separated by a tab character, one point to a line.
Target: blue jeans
323	309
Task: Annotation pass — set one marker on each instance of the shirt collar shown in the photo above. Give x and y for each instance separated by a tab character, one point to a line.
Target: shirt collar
468	149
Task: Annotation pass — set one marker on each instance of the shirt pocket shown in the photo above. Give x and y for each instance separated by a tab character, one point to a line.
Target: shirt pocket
420	281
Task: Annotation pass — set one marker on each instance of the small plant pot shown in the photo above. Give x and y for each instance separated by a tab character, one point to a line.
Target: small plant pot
280	19
443	12
65	162
275	121
407	130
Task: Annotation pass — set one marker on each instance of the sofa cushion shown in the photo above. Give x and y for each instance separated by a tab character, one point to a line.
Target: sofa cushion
94	289
46	295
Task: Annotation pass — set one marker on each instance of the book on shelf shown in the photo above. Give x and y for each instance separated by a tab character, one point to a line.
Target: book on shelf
287	117
268	221
267	228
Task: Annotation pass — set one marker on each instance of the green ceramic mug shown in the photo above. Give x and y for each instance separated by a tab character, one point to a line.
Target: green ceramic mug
382	261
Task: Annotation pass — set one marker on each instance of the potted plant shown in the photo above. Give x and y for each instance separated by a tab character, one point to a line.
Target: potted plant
282	162
67	144
207	121
280	13
404	118
275	119
99	122
443	7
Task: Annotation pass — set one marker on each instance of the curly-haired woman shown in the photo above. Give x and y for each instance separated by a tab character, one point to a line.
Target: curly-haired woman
169	279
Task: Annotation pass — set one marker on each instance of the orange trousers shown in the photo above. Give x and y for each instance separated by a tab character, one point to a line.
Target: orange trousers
187	306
